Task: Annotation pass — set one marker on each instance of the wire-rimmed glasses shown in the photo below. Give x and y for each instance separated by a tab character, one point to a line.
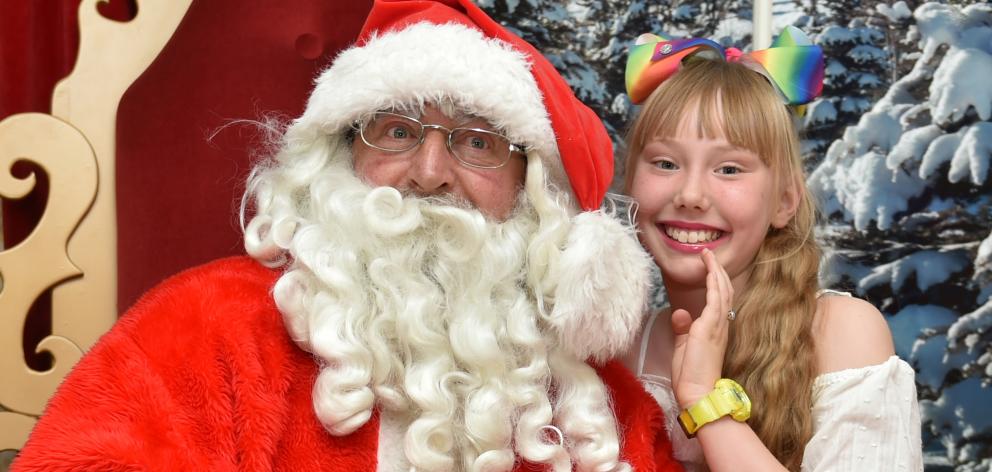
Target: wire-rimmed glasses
473	147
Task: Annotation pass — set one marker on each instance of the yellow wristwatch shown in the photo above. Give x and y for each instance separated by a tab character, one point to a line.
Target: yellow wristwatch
727	398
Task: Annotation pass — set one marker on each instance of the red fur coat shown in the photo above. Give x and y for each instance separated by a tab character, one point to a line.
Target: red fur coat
201	375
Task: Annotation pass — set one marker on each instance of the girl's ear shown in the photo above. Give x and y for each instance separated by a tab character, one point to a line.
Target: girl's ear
788	204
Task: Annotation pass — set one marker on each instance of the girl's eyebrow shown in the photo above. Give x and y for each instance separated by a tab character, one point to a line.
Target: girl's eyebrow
730	147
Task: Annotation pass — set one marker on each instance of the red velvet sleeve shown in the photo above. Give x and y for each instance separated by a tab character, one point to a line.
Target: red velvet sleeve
192	378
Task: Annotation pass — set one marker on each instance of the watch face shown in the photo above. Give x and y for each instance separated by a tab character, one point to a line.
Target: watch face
741	396
742	404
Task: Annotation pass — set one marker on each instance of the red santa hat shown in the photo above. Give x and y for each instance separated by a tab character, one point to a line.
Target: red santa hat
435	51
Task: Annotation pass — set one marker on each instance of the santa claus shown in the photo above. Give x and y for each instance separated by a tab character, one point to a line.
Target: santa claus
432	286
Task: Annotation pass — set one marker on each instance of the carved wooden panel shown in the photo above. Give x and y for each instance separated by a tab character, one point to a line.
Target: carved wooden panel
73	248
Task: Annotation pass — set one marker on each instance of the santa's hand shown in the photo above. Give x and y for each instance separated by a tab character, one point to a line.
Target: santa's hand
700	344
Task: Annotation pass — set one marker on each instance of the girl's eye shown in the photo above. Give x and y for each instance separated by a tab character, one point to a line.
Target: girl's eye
729	170
666	165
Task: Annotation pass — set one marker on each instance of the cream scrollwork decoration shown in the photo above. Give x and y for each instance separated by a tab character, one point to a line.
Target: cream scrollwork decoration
73	249
40	261
112	55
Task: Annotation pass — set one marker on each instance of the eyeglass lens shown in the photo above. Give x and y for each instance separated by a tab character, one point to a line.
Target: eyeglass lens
474	147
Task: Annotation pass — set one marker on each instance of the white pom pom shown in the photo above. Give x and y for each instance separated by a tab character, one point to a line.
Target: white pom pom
601	296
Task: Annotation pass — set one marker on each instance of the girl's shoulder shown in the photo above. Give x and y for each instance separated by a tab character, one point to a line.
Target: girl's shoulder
849	333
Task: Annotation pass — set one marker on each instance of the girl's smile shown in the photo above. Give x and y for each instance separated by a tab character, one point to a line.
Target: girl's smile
691	237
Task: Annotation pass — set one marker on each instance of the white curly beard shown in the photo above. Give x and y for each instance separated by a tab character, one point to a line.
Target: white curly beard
421	308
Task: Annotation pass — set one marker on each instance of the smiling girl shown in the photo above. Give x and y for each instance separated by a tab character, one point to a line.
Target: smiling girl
814	385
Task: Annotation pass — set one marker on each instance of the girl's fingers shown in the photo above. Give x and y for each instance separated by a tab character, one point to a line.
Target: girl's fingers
728	286
726	289
716	305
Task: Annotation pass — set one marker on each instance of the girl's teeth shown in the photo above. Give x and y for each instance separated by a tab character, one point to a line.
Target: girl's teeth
691	237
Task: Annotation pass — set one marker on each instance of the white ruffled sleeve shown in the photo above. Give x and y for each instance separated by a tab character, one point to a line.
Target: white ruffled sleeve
866	419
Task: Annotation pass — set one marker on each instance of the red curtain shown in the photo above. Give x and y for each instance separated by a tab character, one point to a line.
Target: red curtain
181	165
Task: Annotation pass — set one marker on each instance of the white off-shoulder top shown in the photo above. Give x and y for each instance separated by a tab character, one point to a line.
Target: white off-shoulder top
866	419
863	419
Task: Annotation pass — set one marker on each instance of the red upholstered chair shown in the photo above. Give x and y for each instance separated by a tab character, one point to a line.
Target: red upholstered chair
143	167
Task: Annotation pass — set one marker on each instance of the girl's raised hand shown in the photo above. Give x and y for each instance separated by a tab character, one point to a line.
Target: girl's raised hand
700	344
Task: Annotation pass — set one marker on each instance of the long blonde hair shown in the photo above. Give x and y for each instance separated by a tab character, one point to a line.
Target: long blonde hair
771	350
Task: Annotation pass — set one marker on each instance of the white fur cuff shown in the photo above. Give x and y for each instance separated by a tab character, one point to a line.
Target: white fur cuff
601	296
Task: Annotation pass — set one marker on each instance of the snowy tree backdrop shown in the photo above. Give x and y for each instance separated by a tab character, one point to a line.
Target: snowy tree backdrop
898	150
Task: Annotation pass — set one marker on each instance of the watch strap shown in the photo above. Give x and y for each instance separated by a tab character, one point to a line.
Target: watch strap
700	413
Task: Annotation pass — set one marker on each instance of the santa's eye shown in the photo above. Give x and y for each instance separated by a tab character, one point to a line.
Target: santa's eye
399	132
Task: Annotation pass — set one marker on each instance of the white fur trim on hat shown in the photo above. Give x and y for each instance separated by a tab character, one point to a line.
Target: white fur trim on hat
602	294
431	63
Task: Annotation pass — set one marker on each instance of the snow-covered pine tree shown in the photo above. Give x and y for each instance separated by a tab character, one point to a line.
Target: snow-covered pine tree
909	199
854	43
544	24
567	33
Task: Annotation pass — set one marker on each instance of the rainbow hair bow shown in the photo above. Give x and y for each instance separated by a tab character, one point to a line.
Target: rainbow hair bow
793	64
